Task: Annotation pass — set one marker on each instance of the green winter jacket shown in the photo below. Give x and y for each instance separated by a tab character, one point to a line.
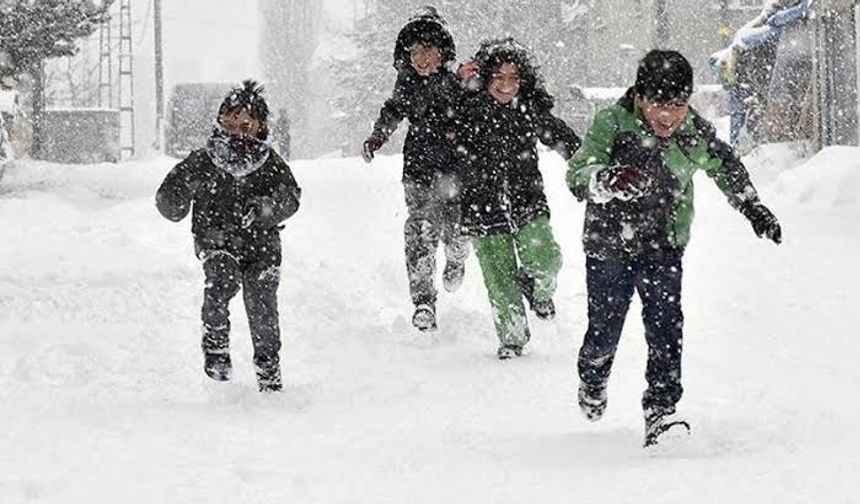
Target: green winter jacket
661	218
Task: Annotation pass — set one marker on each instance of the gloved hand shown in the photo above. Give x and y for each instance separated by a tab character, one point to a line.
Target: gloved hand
763	221
259	210
373	143
622	182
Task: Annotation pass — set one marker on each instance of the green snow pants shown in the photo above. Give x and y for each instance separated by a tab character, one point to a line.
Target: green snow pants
533	251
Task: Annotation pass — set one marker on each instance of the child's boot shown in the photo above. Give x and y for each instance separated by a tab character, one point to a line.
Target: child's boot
592	401
424	318
217	365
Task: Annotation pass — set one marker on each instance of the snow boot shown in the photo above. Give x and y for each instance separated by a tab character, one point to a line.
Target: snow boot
592	401
270	381
506	352
424	318
544	310
452	275
664	424
218	366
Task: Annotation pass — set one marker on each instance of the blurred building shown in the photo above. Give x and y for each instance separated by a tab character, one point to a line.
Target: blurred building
620	32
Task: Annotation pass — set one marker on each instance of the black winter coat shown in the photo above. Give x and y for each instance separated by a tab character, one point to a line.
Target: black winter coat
221	200
427	103
502	188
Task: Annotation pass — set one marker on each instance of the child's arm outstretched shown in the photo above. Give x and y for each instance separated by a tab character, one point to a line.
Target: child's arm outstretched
733	179
390	116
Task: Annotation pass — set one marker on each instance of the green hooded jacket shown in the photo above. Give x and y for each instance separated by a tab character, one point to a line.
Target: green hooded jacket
661	218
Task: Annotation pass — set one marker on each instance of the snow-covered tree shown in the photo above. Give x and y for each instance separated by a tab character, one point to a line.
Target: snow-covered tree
365	80
33	31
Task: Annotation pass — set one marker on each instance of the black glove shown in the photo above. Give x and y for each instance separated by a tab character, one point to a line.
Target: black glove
259	210
623	182
373	143
763	221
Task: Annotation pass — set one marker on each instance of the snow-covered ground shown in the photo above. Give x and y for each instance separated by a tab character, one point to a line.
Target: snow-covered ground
104	400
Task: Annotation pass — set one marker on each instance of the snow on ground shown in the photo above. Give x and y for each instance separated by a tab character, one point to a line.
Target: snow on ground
104	399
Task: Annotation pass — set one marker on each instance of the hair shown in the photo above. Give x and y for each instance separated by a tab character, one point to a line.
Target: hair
495	53
664	76
248	97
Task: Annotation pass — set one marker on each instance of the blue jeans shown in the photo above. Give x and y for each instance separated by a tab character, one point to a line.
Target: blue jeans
611	282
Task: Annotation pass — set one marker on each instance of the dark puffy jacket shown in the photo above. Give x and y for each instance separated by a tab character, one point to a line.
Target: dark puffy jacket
502	188
220	201
424	101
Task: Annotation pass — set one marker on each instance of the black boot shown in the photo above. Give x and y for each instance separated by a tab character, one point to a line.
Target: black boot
544	310
506	352
592	401
218	366
661	424
268	368
424	318
269	379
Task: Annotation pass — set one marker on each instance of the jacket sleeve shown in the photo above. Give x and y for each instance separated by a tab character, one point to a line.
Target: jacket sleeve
393	111
594	154
727	170
285	196
178	189
557	135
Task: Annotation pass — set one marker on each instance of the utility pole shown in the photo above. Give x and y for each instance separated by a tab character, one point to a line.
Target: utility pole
126	80
661	18
105	66
835	75
159	79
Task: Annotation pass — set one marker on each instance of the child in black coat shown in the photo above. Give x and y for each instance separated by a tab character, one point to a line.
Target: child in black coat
241	191
424	92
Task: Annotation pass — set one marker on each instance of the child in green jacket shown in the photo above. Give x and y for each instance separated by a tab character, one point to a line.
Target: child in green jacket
504	205
636	170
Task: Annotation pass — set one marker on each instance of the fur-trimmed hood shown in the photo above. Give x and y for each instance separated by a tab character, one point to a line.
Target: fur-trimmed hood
494	53
425	25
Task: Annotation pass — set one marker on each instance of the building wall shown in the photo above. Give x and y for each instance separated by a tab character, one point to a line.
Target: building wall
622	31
619	33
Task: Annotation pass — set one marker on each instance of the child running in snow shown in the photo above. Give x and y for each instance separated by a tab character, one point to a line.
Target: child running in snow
241	191
423	93
504	206
636	170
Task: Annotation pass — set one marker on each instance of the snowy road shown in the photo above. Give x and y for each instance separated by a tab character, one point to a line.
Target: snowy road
104	400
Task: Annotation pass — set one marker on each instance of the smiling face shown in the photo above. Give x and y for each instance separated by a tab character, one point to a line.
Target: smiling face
663	118
425	59
505	83
239	122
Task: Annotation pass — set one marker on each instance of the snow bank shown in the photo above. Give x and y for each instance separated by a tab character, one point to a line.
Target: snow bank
830	178
766	163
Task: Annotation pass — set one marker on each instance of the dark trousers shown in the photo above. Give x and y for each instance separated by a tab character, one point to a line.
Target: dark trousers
434	215
225	274
657	278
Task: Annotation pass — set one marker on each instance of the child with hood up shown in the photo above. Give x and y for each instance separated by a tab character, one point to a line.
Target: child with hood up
239	191
504	207
423	93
